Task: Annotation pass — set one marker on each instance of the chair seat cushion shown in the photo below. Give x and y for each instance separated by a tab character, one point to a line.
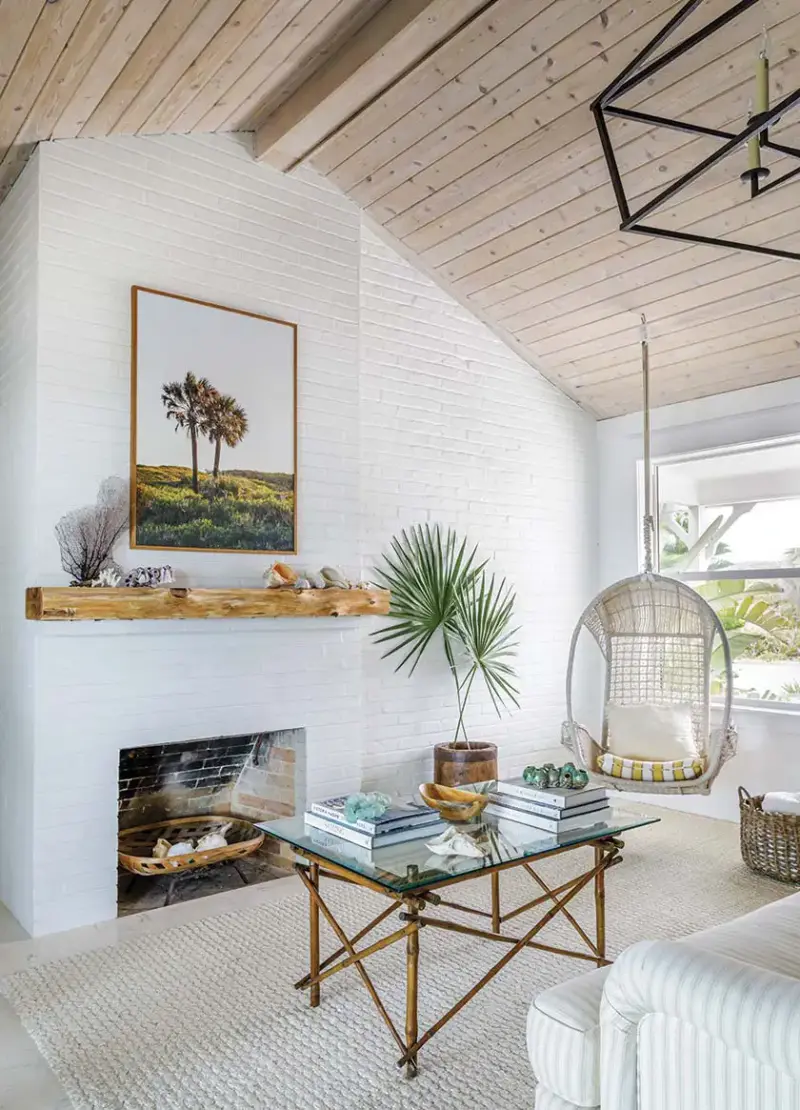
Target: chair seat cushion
649	770
564	1038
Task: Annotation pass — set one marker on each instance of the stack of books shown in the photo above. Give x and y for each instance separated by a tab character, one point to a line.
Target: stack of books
402	821
552	809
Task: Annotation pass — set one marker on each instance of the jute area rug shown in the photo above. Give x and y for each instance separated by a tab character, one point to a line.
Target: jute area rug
204	1016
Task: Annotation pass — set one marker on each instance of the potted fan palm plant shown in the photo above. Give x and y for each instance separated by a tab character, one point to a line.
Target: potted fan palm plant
439	587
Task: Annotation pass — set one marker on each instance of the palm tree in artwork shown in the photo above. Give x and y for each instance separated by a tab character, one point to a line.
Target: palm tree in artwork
189	403
227	423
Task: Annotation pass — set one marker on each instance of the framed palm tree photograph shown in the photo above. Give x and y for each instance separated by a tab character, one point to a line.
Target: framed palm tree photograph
213	427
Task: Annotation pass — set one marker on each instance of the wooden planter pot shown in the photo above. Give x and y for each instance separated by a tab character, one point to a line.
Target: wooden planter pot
456	766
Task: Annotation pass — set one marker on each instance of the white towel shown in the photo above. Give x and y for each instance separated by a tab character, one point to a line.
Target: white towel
782	801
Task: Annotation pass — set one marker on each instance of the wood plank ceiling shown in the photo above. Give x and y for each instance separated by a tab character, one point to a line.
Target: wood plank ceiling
463	128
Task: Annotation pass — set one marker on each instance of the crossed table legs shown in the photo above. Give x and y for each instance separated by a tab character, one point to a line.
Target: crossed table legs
412	909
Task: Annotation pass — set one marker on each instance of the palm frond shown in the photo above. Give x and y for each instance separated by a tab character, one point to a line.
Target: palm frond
424	571
483	615
439	584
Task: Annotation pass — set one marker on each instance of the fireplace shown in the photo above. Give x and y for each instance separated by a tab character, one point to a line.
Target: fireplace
257	777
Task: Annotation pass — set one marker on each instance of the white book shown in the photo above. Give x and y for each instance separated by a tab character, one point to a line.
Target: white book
566	824
355	852
557	796
511	801
398	816
366	840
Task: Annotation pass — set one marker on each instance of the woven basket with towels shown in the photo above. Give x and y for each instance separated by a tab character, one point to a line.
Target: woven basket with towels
771	840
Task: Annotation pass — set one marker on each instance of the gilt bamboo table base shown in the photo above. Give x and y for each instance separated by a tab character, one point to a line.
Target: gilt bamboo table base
413	913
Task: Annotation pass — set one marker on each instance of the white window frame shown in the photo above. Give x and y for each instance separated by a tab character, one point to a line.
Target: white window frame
690	576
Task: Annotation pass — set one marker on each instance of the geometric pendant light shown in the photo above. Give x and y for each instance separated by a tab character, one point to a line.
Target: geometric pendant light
755	134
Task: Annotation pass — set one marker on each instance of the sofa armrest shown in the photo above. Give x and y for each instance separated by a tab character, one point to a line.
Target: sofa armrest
752	1011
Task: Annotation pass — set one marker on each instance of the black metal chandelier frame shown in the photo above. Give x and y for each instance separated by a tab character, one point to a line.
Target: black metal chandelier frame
641	69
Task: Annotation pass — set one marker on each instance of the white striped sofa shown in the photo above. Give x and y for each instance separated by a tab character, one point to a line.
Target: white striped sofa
711	1022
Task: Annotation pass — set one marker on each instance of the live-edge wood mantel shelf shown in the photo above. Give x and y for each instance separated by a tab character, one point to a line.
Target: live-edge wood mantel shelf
76	603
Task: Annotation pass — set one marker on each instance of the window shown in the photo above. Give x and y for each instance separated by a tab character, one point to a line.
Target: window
728	523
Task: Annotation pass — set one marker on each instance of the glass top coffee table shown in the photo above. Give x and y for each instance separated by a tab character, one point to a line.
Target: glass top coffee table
410	875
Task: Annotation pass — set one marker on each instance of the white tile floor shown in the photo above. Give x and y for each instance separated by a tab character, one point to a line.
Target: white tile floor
26	1082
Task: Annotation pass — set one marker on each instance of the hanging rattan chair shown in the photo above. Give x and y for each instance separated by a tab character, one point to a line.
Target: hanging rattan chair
657	637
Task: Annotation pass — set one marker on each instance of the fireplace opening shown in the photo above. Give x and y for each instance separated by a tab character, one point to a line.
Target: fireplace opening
255	777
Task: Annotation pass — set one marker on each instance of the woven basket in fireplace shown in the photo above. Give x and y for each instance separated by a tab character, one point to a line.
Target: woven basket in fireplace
135	847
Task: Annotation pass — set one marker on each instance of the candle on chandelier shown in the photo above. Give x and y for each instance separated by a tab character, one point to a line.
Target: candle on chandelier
762	82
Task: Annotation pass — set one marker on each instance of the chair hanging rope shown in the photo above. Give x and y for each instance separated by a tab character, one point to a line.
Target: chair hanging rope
648	525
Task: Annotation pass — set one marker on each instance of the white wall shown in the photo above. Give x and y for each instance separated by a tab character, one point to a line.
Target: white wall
457	429
767	756
19	229
409	410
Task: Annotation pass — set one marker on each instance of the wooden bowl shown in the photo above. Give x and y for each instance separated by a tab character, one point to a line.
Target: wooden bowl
452	804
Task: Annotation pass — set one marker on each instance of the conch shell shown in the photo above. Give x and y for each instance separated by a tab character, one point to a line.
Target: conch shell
279	574
213	839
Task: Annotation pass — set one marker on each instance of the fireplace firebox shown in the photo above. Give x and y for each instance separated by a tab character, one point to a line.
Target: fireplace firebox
256	777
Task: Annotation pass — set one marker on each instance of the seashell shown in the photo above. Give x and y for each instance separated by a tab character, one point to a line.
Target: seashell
565	779
287	573
213	839
335	578
182	848
149	576
161	849
302	584
317	579
279	574
108	577
452	842
580	779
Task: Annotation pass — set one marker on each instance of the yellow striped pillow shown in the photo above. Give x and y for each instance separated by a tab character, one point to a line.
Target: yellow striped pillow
643	770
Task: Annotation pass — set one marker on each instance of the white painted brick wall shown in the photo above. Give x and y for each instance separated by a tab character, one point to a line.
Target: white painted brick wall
457	429
408	410
19	229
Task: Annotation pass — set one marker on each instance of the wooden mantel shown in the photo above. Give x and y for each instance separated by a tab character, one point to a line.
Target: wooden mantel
74	603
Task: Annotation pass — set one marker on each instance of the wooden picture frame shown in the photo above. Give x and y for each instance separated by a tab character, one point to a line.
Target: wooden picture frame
210	382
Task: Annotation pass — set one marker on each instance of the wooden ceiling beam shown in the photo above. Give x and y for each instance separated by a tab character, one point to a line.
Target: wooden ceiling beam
383	51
